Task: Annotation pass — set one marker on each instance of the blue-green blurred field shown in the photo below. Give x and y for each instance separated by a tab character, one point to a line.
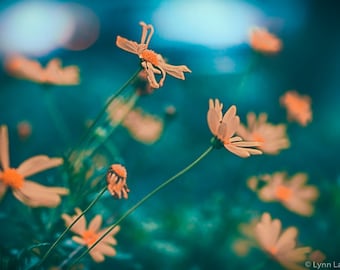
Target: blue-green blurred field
192	223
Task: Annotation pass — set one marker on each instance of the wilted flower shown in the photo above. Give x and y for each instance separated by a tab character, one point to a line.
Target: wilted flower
263	41
143	127
24	68
291	192
298	107
281	246
88	235
224	127
152	62
116	181
273	138
28	192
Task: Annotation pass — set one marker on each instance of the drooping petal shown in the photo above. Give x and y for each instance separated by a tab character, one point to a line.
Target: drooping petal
127	45
150	73
36	195
4	151
37	164
176	71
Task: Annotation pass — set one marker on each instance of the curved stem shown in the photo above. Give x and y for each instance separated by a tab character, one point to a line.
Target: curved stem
101	113
145	198
70	226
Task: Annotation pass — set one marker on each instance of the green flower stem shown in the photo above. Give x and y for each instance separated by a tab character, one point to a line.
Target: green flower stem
101	113
148	196
70	226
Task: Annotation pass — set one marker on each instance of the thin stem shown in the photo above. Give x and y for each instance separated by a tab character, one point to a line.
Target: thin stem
145	198
70	226
101	113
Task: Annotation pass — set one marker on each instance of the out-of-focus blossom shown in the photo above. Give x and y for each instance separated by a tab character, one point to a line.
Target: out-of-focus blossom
88	235
263	41
116	181
143	127
298	107
273	138
223	127
292	192
28	192
152	62
242	245
118	109
281	246
24	129
23	68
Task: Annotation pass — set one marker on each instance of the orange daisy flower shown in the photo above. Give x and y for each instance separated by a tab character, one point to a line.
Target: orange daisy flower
263	41
224	127
88	235
143	127
152	62
291	192
54	74
273	138
28	192
298	107
281	246
116	181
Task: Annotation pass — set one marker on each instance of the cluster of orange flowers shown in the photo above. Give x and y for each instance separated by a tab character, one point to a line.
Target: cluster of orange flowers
257	137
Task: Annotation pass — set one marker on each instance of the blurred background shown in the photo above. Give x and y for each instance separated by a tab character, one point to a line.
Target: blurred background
193	223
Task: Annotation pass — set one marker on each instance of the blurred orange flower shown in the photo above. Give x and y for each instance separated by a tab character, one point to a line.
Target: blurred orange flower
291	192
88	235
273	138
281	246
28	192
224	127
263	41
116	181
143	127
152	62
23	68
298	107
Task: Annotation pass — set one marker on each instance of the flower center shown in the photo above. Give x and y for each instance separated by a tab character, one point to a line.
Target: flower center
89	237
150	56
12	178
272	250
258	138
283	193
